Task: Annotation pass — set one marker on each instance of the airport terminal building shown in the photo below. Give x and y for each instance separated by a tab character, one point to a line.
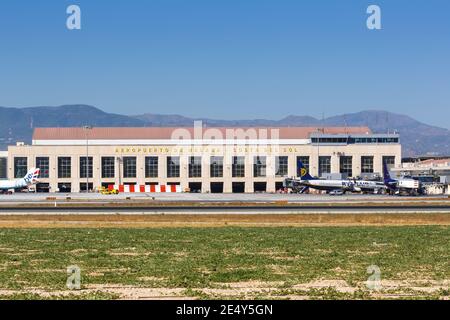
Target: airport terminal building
215	160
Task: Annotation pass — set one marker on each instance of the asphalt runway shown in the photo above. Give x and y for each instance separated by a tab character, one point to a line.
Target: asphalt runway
226	211
202	210
202	197
216	204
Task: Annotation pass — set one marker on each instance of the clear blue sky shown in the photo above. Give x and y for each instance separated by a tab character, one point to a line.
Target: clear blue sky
229	58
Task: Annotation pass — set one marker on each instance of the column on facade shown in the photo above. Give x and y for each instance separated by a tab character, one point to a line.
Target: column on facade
184	172
270	173
378	164
75	175
206	177
398	159
162	169
96	172
140	169
314	164
356	165
335	163
53	173
117	170
31	162
292	165
249	172
227	172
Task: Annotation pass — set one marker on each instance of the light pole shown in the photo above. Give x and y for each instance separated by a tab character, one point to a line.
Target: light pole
86	131
119	161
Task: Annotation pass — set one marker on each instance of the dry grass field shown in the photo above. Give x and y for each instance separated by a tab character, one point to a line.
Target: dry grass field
226	256
221	220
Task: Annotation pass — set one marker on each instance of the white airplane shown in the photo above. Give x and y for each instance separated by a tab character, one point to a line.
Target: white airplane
30	179
399	186
306	181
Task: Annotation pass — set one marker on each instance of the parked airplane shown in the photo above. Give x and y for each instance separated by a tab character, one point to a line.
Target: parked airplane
30	179
403	185
306	181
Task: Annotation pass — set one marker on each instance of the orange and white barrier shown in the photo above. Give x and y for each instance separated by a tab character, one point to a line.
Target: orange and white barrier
145	189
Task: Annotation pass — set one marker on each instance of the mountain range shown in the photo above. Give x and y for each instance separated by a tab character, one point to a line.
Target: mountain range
417	138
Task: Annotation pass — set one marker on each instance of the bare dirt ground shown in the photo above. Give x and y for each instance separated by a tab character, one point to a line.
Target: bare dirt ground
389	289
218	220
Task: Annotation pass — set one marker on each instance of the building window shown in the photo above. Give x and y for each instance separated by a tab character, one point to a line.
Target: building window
324	165
83	186
281	166
345	166
151	167
84	167
65	187
173	167
367	164
108	167
20	167
238	167
129	167
259	166
43	163
64	167
216	167
375	140
390	161
3	168
195	167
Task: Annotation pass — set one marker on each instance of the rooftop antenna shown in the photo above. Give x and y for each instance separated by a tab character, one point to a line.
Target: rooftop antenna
387	122
345	124
323	123
367	120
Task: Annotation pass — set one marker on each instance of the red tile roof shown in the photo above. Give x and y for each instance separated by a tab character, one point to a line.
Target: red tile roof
124	133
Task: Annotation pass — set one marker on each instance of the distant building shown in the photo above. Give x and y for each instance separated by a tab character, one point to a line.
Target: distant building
424	166
201	159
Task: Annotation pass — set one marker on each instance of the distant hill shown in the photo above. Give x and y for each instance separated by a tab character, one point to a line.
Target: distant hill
417	138
16	124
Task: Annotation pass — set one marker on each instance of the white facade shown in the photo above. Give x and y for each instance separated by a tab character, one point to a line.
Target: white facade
127	160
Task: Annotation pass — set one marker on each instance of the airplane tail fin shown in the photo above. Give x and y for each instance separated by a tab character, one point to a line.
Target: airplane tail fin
32	176
386	175
303	171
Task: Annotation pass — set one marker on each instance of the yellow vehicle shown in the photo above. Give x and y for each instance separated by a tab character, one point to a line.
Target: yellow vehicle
107	191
